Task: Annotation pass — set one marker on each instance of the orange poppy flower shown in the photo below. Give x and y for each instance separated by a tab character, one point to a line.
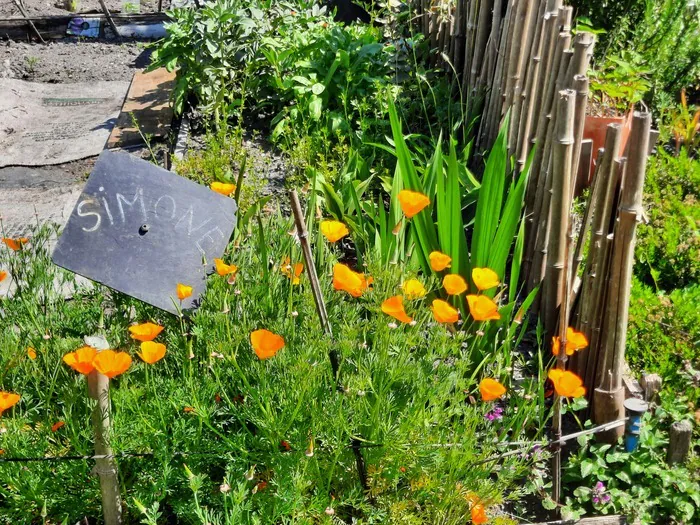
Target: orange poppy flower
3	276
111	363
265	343
183	291
439	261
334	230
352	282
566	384
484	278
491	389
443	312
81	360
188	409
412	202
574	341
224	269
57	425
394	307
223	188
413	289
7	401
479	514
15	244
482	308
31	353
454	284
151	352
145	331
292	273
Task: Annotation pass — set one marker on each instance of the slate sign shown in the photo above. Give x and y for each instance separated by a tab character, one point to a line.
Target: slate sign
141	230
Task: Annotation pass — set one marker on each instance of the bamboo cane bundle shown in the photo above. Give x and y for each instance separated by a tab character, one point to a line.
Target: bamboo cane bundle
458	36
614	334
493	115
540	235
492	47
601	203
560	209
469	42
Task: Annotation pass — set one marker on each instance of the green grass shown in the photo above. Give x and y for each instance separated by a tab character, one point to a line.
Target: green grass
407	391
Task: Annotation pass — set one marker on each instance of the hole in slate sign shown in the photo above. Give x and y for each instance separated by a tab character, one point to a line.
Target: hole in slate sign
143	230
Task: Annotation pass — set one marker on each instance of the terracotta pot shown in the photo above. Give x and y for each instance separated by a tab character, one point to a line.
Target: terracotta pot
595	129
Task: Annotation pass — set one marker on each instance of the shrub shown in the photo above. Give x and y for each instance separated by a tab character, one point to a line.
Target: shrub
668	247
663	336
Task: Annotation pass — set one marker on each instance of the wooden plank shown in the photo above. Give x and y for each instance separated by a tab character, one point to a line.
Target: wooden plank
601	520
148	101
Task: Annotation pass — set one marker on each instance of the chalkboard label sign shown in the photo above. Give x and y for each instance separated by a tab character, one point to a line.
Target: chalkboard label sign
141	230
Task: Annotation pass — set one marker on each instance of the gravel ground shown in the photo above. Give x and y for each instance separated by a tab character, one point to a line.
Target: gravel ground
38	8
71	60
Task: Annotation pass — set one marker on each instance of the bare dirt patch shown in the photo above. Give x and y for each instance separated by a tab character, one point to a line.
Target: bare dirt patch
72	60
38	8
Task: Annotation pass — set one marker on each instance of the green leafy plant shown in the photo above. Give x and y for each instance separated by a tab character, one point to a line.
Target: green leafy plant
620	82
604	479
668	246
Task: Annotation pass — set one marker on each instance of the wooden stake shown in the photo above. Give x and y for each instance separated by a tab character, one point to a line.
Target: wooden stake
105	467
679	438
31	24
580	85
111	23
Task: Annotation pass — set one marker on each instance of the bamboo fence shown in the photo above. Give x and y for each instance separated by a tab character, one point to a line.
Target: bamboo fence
521	57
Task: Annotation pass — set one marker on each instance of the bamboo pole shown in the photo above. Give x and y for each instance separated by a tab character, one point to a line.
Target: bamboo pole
614	334
580	85
492	46
531	85
458	39
526	39
493	114
105	465
479	43
469	42
560	209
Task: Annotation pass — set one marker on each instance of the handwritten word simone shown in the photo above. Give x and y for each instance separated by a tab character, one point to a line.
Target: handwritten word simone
117	209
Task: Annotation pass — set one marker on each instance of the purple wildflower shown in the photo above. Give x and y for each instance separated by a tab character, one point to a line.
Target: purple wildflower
495	415
599	494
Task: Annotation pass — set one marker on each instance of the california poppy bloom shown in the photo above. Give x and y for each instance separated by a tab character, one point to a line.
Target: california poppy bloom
293	273
57	425
145	331
491	389
81	360
151	352
334	230
479	514
7	401
454	284
412	202
285	446
346	280
224	269
111	363
443	312
223	188
413	289
394	307
439	261
188	409
574	341
3	276
484	278
31	353
265	343
183	291
483	308
15	244
566	384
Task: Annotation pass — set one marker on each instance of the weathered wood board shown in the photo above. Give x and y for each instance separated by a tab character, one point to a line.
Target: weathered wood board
141	230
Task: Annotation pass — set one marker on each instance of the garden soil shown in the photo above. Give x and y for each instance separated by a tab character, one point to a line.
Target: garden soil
39	8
